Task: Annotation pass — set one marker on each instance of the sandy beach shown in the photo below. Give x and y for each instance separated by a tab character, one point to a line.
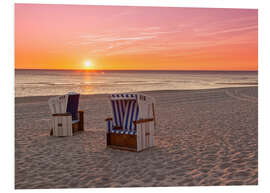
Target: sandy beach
203	138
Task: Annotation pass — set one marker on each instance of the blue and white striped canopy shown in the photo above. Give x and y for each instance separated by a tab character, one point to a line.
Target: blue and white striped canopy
126	108
124	113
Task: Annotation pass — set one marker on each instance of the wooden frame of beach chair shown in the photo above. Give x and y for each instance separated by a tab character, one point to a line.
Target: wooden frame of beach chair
133	124
62	122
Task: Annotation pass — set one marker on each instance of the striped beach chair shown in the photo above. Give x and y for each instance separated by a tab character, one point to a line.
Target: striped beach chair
132	124
66	119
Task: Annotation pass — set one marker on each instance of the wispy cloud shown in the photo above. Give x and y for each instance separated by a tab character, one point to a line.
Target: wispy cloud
114	39
154	39
240	29
161	32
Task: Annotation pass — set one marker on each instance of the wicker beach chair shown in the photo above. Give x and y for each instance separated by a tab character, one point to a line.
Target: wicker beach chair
132	124
66	119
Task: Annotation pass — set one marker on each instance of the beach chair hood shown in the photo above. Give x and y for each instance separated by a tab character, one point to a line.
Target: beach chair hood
130	107
132	125
65	103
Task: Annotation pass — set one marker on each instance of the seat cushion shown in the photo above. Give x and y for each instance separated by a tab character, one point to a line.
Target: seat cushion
123	131
75	121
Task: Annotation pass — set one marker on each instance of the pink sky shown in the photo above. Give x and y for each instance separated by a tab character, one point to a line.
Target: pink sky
118	37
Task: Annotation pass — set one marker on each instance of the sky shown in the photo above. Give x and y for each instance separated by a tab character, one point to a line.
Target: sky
135	38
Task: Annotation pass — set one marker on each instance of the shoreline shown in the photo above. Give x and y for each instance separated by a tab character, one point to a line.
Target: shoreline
112	70
46	97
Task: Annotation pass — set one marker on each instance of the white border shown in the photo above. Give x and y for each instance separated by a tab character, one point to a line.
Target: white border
7	88
160	3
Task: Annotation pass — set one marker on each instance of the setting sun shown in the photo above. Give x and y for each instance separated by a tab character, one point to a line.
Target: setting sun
87	64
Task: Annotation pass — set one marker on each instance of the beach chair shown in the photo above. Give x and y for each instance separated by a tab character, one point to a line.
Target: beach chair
132	125
66	119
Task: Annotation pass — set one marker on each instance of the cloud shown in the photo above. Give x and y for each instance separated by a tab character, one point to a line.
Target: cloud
113	39
161	32
155	40
233	30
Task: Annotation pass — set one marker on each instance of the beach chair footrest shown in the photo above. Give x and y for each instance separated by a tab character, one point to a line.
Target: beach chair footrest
122	148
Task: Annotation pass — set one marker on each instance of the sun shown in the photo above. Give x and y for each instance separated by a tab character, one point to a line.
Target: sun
87	64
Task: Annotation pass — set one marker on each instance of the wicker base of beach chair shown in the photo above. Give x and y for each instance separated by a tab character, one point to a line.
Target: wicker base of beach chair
124	142
81	120
122	148
76	127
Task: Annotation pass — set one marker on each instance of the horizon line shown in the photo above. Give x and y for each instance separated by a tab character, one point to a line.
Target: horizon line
93	70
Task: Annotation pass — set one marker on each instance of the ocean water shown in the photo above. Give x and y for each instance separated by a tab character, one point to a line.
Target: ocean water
58	82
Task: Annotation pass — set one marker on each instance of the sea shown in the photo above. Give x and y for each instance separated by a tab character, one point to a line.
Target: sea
59	82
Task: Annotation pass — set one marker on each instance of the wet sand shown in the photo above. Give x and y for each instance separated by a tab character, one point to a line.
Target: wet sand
203	138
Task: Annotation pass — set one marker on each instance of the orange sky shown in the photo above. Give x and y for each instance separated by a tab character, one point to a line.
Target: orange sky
132	38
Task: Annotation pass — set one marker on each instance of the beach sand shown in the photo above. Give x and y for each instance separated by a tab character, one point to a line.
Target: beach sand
203	137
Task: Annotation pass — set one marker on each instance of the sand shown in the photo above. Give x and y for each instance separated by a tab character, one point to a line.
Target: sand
203	138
